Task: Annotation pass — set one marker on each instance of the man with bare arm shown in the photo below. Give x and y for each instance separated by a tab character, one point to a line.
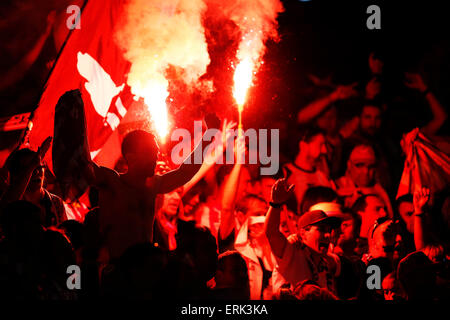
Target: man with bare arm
127	201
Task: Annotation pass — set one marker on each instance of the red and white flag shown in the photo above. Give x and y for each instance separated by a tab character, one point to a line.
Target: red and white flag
91	62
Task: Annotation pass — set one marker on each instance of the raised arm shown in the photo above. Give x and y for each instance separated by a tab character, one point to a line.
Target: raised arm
312	110
213	155
420	199
187	170
229	194
281	192
415	81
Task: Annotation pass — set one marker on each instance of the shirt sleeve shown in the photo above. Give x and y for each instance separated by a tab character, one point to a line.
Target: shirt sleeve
293	266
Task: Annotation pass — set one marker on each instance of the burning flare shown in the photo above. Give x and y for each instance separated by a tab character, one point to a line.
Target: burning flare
242	81
257	21
157	34
155	98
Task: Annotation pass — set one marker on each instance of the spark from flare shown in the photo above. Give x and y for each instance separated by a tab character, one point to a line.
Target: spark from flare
242	82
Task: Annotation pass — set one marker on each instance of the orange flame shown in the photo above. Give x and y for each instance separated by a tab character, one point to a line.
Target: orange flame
242	81
155	98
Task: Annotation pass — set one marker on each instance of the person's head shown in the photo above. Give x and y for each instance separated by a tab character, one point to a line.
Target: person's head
370	207
140	150
198	246
16	163
256	227
144	268
314	229
232	271
312	144
315	195
405	209
370	118
309	290
361	165
250	205
350	228
376	62
193	198
171	203
57	254
382	237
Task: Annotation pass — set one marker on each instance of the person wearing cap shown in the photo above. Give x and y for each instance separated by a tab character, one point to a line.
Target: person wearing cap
309	257
360	177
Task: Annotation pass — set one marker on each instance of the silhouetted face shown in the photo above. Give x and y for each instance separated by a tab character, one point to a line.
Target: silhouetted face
37	179
317	237
406	210
370	121
375	64
315	148
19	163
142	156
172	201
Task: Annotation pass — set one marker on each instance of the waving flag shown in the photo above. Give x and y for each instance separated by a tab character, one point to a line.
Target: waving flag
425	165
92	63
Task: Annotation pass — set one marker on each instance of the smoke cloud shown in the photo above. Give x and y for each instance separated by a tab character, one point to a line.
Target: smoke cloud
171	39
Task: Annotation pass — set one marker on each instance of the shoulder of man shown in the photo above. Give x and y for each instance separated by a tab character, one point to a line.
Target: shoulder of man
105	175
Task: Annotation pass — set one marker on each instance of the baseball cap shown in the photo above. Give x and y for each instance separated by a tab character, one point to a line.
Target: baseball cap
315	217
331	209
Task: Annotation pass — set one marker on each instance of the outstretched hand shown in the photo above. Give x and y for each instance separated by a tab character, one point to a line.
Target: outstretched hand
281	191
32	160
343	92
420	199
415	81
227	131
